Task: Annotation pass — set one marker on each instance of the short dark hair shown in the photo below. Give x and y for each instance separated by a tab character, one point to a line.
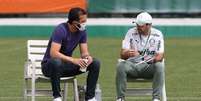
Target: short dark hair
75	13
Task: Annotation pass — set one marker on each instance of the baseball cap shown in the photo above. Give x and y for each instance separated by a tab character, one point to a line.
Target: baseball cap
143	18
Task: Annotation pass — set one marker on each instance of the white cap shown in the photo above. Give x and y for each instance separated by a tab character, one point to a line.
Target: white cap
143	18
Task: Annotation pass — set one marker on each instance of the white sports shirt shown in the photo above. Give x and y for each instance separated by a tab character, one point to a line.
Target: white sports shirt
146	45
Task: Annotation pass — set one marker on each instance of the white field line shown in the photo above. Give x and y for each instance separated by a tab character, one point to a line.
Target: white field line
98	21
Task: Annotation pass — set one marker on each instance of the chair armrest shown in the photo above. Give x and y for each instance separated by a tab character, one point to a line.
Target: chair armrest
26	65
33	65
29	65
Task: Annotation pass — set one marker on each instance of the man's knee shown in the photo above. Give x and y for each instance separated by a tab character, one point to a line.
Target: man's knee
95	64
159	67
121	67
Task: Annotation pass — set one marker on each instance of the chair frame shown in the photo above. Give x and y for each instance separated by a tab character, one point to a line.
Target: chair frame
32	72
143	91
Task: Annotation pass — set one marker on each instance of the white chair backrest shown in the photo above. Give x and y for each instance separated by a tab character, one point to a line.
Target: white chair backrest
35	52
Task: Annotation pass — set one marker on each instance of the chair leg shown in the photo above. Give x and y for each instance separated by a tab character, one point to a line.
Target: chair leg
164	97
65	94
76	96
25	90
33	90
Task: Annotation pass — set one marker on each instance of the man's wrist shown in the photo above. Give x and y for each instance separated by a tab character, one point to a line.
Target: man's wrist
85	56
70	59
127	54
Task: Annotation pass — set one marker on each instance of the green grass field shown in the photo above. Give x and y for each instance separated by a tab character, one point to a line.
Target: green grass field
183	70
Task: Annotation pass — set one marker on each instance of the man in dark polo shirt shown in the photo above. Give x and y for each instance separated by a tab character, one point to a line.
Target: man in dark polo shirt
58	61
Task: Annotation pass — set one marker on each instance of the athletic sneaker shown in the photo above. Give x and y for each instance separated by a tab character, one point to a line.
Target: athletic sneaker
57	99
120	99
156	100
92	99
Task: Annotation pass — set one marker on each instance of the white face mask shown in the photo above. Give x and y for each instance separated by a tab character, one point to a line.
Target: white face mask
82	27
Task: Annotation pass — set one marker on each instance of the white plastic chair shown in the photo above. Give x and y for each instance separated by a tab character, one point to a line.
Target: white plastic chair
32	72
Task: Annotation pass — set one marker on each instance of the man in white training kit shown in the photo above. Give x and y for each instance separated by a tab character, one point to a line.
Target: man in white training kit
141	43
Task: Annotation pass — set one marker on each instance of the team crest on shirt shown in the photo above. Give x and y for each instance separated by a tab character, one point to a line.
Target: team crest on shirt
155	35
152	42
133	34
137	41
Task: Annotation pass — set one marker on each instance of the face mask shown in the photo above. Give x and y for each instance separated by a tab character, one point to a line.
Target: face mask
81	26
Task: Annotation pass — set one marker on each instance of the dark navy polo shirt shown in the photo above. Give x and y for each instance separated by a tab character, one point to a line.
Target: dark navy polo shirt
68	40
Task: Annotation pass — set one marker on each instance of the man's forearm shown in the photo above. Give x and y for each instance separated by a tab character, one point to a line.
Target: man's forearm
85	55
125	54
61	56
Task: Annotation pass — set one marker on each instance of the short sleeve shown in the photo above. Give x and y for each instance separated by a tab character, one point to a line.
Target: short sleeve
58	34
126	41
83	38
160	46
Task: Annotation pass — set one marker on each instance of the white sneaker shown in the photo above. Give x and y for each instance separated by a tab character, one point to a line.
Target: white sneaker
92	99
57	99
120	99
156	100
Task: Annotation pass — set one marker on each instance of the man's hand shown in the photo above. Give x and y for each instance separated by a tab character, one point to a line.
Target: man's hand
157	58
132	53
90	60
80	62
125	54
